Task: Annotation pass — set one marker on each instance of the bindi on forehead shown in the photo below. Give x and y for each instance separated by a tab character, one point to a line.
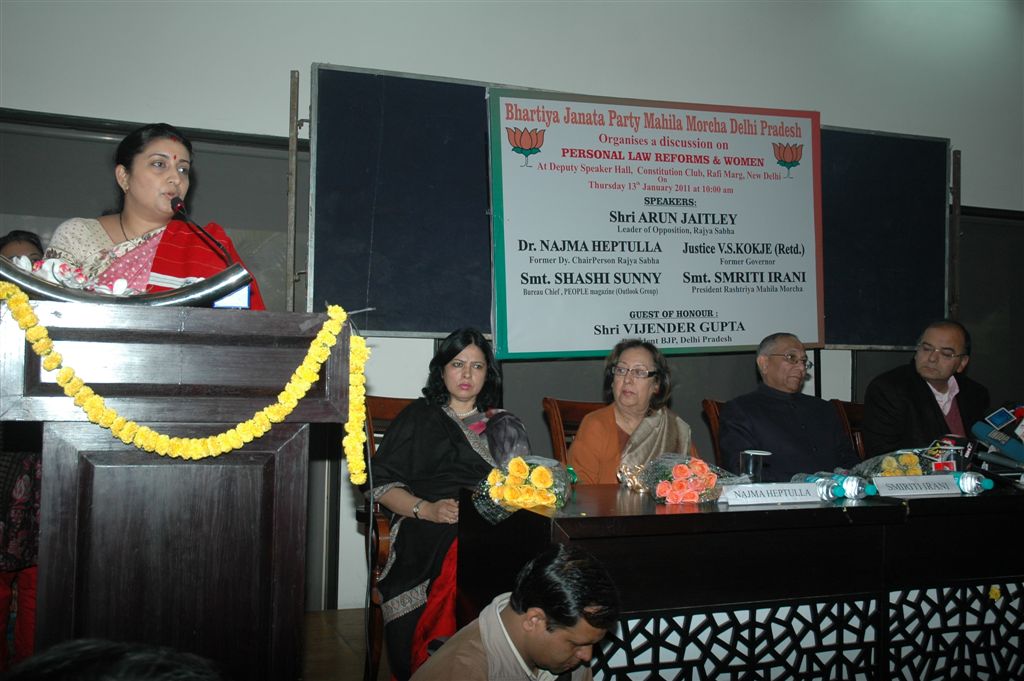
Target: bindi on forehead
173	157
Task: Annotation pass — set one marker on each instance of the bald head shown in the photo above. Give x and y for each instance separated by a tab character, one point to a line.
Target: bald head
782	362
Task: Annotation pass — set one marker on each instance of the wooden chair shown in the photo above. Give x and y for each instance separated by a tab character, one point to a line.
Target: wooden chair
380	412
711	412
851	415
564	418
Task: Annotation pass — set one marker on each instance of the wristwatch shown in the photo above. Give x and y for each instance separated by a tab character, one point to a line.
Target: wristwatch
416	509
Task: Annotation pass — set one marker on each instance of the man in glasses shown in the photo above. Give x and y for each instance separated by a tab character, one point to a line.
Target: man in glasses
914	404
802	432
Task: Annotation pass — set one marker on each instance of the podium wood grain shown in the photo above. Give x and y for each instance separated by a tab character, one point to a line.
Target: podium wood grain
205	556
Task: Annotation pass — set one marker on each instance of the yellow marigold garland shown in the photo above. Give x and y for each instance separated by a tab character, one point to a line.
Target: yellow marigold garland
261	422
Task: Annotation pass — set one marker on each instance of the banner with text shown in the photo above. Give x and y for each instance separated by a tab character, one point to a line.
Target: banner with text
695	227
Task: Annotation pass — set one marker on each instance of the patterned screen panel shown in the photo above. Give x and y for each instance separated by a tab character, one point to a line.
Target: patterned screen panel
935	634
820	640
961	632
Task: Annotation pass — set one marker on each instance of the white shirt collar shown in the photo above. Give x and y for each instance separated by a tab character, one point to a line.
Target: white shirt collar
945	399
542	674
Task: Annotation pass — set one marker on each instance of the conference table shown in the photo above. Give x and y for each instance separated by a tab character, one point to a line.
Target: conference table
881	588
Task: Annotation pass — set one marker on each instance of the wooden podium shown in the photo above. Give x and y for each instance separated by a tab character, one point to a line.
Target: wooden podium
207	556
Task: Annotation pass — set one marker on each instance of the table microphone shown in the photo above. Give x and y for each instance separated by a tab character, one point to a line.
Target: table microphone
178	206
1005	444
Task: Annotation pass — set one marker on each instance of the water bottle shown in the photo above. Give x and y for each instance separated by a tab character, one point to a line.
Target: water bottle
855	486
972	483
827	488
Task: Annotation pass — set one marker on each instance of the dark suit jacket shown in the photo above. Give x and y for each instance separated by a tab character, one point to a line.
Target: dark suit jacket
803	433
900	410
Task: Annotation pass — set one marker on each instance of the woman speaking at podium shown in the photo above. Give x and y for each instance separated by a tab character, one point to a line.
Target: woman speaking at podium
142	248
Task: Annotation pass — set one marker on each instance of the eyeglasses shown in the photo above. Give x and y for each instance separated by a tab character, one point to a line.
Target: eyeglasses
945	353
794	358
637	372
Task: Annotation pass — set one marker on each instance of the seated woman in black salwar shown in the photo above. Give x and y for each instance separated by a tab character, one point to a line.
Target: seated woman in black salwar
435	447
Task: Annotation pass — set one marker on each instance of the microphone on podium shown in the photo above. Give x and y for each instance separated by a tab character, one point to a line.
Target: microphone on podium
178	206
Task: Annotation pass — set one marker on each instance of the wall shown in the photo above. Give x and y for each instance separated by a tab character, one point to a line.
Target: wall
944	69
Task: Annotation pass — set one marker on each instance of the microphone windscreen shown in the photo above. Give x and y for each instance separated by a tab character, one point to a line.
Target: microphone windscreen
177	205
1005	444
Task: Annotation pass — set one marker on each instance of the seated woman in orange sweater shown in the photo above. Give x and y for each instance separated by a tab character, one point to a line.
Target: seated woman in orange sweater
637	426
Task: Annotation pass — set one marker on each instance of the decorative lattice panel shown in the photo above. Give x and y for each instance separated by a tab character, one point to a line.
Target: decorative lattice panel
962	632
834	640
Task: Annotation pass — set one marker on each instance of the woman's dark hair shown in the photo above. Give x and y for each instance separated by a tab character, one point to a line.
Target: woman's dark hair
20	235
133	144
567	583
457	341
663	377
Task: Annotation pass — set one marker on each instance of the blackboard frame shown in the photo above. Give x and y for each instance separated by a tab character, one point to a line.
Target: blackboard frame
363	246
426	286
857	233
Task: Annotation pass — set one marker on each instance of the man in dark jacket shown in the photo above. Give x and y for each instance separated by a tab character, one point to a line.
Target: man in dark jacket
803	433
913	405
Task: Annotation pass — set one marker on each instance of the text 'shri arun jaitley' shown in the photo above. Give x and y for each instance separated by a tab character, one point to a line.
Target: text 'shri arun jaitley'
695	227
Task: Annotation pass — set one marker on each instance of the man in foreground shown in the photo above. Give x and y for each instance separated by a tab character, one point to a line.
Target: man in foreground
562	604
915	404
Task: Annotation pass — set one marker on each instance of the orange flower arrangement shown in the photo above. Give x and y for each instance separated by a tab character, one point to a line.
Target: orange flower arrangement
675	479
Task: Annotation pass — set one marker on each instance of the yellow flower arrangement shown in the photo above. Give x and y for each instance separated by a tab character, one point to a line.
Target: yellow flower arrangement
546	497
540	477
524	485
518	467
515	495
904	463
234	438
494	478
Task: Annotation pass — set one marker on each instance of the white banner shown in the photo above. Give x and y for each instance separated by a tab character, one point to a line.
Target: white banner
694	227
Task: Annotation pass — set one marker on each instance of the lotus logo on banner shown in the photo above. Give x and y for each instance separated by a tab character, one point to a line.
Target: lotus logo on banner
788	155
525	142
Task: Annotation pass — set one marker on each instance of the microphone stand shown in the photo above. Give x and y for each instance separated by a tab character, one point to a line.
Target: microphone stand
178	206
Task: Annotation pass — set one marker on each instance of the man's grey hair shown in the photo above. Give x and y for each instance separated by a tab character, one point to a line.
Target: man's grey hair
769	342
